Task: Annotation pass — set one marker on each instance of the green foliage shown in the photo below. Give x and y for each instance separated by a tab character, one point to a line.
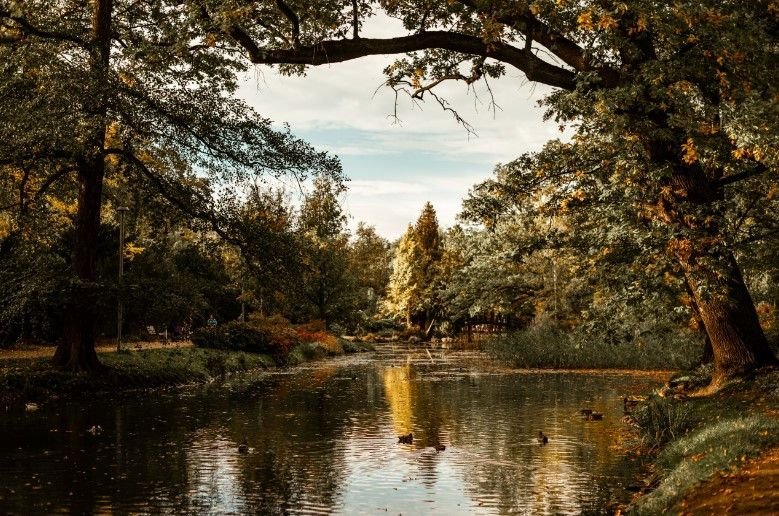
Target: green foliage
237	336
544	347
414	284
306	352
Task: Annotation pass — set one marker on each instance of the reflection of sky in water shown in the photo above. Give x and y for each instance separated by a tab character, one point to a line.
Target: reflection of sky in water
324	438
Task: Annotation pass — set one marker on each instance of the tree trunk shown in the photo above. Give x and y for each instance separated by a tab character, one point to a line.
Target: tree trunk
708	352
77	350
713	276
737	340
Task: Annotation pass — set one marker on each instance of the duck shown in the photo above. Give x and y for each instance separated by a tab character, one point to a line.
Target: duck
244	446
596	416
542	439
440	447
406	439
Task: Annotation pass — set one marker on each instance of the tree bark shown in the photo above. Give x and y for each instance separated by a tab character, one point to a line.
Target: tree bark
713	276
77	350
728	313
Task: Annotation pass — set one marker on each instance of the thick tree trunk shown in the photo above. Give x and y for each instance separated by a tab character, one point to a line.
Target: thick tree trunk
708	352
77	350
728	313
713	276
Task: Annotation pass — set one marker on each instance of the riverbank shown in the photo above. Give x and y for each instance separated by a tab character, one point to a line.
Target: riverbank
712	454
35	380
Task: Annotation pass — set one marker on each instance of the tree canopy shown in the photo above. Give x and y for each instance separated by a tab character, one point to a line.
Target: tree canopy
673	105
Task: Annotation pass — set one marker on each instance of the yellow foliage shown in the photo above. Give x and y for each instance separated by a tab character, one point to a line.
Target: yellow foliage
132	250
535	9
585	21
690	151
607	23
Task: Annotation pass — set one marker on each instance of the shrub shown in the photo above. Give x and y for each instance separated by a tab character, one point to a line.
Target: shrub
306	352
234	336
238	336
329	342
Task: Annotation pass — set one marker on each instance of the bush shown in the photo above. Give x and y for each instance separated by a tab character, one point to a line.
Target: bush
238	336
306	352
233	336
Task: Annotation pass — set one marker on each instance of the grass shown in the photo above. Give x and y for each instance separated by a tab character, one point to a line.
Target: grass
554	349
36	380
704	436
26	379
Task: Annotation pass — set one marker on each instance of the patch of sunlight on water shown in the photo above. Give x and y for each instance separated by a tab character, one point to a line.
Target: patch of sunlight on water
323	439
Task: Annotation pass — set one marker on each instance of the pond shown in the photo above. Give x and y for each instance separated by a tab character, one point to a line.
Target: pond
323	438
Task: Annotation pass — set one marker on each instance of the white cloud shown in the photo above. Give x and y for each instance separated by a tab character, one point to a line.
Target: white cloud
338	108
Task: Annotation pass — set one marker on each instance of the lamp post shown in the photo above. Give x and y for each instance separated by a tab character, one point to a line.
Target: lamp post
243	301
121	210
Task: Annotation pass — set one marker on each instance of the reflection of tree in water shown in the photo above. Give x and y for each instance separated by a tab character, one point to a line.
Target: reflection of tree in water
398	393
316	430
495	424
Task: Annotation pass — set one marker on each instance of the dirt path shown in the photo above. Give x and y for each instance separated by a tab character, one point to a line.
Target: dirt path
23	352
753	489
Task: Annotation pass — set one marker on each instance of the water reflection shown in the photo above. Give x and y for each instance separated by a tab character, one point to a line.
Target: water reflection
324	439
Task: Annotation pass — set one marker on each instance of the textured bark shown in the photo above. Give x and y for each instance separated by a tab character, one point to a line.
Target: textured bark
77	350
737	340
718	290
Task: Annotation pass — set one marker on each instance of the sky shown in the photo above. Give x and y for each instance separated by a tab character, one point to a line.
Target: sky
395	167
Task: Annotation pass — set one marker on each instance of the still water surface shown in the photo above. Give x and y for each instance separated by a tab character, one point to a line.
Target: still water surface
324	440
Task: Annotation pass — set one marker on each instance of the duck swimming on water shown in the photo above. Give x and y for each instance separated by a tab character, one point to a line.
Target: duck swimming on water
542	439
244	446
406	439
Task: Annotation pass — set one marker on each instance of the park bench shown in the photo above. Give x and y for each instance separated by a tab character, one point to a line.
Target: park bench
154	334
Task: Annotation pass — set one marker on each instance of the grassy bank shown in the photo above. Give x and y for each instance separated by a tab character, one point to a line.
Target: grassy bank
35	380
554	349
696	439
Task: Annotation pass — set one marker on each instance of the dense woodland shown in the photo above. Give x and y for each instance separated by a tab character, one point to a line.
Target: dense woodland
659	214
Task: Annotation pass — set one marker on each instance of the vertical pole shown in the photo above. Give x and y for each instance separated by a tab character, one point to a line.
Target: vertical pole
122	210
243	303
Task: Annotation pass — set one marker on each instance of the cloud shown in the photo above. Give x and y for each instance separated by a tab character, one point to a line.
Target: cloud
396	166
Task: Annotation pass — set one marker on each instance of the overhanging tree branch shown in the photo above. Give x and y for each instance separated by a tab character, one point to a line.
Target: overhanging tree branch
336	51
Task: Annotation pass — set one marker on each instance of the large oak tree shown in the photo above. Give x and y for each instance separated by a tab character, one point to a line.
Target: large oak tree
678	100
131	87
